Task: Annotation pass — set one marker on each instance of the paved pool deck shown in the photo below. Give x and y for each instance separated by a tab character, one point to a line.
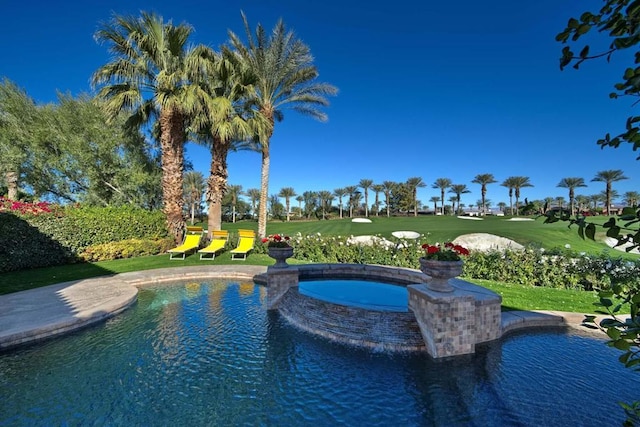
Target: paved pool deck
36	314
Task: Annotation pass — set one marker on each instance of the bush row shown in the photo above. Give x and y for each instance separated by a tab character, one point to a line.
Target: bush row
126	249
534	267
60	236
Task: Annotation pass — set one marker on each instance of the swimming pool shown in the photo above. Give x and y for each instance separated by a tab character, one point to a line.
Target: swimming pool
211	354
358	293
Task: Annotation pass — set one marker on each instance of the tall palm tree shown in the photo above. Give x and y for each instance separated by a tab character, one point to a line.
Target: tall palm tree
631	198
572	183
234	192
377	189
221	122
151	75
442	184
609	177
351	191
484	179
514	184
254	196
340	193
300	199
458	189
287	193
326	197
285	75
389	188
435	200
366	184
414	183
193	190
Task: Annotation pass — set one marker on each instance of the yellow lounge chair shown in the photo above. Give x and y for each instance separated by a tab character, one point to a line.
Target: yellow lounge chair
245	244
218	240
191	243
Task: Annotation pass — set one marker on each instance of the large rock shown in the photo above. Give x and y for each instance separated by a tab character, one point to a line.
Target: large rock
486	242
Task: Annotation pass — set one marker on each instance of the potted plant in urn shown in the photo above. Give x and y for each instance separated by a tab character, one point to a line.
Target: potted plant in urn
278	248
442	262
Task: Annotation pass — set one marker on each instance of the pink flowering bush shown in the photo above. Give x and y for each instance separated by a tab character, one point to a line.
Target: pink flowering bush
24	208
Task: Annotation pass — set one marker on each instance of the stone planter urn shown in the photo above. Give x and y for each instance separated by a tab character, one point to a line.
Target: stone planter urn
440	272
281	255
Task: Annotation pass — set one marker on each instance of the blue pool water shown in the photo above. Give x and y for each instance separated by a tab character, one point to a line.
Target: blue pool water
210	354
358	293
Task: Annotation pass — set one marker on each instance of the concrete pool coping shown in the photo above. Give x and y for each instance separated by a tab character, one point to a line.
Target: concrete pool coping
40	313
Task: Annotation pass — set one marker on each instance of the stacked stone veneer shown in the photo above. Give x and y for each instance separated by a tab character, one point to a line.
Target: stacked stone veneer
443	324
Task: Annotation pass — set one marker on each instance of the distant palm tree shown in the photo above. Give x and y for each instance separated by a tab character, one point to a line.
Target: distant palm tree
152	75
300	199
285	75
234	191
502	206
377	188
413	184
515	183
631	198
351	191
560	202
287	193
340	193
609	177
572	183
193	190
484	179
548	201
458	189
326	197
435	200
582	203
366	184
254	197
442	184
389	187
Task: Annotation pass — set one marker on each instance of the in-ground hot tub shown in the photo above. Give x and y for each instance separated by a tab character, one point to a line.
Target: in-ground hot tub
358	293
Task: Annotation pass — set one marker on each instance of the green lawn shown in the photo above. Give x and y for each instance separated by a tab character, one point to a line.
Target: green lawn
435	229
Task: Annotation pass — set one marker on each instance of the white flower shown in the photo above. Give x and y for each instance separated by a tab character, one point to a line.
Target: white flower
568	246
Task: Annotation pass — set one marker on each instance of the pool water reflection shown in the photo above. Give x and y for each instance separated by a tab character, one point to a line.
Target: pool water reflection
210	354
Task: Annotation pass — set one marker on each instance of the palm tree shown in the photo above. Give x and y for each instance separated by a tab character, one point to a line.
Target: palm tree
221	122
458	189
442	184
285	74
415	183
254	196
389	188
502	206
193	190
631	198
435	200
300	199
234	192
377	189
325	201
515	183
351	191
484	179
366	184
340	193
608	177
572	183
287	193
582	203
151	75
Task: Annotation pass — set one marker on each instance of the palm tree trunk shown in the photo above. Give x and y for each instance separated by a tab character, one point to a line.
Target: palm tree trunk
264	189
172	140
216	185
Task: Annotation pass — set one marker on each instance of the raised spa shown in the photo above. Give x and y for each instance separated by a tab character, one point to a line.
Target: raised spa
358	293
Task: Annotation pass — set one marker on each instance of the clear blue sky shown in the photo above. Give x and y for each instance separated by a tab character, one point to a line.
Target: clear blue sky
428	89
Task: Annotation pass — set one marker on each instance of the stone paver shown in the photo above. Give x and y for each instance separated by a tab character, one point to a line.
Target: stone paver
39	313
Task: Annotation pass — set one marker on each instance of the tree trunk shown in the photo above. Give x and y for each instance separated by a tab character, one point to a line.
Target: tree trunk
216	184
12	184
264	189
172	139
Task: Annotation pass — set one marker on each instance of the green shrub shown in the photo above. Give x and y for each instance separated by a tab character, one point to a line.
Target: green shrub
126	249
